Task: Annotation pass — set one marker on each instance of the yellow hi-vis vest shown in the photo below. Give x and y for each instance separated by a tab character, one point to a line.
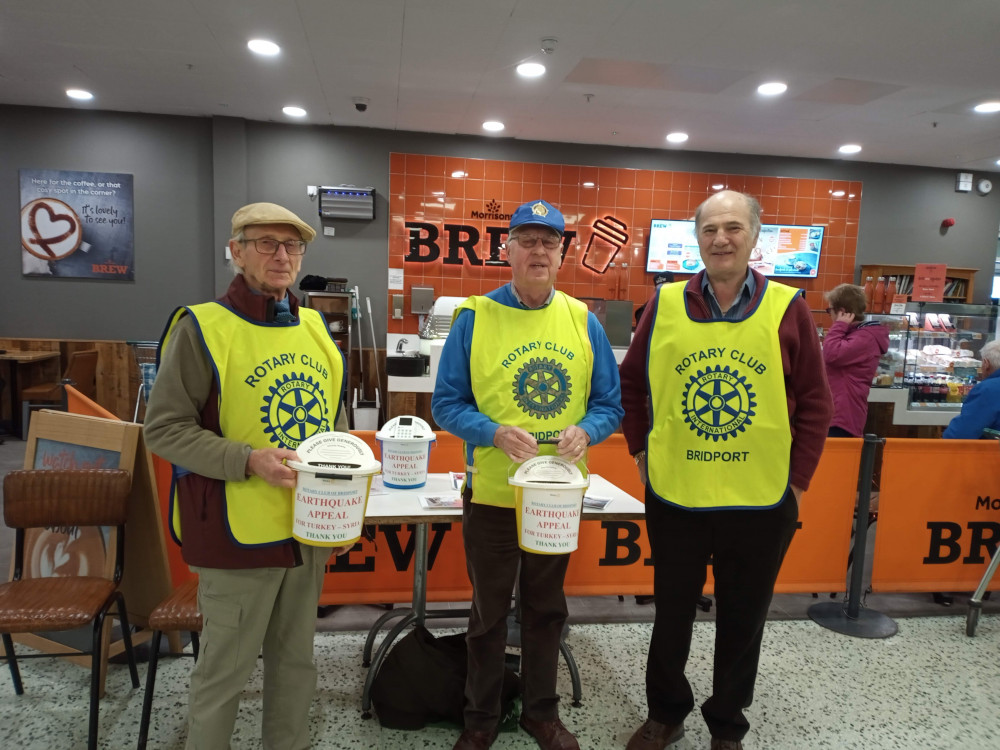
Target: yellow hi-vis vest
278	385
720	435
531	369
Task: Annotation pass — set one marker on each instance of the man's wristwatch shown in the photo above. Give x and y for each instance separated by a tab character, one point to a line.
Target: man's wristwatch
640	456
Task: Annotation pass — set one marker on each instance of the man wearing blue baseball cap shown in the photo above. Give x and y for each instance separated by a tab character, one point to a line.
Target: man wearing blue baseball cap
521	365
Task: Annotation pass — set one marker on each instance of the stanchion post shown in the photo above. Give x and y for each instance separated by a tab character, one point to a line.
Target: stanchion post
852	619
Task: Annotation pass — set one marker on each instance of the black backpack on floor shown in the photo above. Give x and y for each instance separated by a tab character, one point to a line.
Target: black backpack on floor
422	681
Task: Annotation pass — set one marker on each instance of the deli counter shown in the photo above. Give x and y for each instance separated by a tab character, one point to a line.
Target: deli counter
932	361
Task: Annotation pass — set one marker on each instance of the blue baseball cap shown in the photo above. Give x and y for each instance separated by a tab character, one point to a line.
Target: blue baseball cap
539	212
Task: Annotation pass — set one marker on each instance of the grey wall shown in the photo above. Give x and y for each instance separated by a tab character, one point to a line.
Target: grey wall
192	173
171	159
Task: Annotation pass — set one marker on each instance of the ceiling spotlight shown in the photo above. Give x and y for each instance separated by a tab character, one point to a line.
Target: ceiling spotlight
294	111
772	89
987	107
79	94
849	148
530	70
263	47
493	126
677	137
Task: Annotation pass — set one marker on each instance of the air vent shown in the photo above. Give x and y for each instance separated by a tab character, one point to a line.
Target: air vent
346	202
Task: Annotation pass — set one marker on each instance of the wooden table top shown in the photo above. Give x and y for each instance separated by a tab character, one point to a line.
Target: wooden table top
18	356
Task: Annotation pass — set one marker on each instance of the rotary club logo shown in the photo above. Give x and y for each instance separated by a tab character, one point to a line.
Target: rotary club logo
718	403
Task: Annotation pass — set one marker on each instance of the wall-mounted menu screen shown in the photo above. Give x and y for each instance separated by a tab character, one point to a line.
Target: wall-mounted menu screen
782	249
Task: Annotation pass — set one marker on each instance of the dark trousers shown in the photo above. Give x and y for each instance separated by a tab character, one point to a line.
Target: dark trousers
746	549
492	557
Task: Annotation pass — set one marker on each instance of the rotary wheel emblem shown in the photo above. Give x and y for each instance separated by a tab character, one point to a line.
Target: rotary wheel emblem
294	410
718	403
542	388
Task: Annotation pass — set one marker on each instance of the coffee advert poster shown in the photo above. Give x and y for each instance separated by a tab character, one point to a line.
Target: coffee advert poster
77	225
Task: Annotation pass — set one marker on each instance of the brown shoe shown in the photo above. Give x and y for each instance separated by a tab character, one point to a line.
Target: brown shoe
550	735
475	739
718	744
655	736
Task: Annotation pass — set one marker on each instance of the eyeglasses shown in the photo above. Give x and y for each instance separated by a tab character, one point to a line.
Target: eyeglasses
530	241
269	245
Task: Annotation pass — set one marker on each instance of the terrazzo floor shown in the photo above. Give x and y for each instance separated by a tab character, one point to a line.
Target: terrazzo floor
929	686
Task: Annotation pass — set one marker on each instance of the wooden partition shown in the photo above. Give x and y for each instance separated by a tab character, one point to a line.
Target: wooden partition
938	516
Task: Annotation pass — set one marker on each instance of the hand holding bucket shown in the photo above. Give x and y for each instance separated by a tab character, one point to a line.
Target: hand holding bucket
331	494
549	502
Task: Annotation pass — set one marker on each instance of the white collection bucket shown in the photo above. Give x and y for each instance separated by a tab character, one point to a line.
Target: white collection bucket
331	493
548	497
405	446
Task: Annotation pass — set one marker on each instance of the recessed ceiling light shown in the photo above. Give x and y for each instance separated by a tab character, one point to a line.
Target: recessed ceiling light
263	47
458	173
987	107
530	70
849	148
998	162
772	88
494	126
79	94
294	111
590	184
677	137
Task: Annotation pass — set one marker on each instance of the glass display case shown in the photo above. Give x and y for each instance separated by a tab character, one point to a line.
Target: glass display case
933	360
892	365
942	351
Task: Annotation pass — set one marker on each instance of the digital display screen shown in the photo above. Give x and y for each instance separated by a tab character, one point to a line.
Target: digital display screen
782	249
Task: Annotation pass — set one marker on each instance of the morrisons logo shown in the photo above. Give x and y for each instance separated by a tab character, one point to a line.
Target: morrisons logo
492	213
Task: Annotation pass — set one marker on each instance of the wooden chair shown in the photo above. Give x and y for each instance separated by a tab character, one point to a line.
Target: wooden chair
178	612
81	372
47	498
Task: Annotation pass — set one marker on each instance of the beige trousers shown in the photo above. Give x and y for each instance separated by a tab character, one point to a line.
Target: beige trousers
269	611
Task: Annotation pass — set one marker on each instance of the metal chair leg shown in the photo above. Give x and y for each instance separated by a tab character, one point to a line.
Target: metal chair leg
147	699
127	638
95	682
8	645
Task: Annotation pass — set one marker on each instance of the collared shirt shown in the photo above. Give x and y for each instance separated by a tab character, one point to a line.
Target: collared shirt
739	307
522	303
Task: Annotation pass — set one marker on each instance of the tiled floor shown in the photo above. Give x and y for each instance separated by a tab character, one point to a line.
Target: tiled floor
929	686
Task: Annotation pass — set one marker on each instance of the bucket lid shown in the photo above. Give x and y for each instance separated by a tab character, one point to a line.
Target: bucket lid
336	451
406	429
547	471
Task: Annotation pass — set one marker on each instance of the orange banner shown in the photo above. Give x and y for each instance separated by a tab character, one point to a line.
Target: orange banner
613	556
938	515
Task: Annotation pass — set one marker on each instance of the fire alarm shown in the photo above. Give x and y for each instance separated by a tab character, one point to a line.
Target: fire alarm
984	186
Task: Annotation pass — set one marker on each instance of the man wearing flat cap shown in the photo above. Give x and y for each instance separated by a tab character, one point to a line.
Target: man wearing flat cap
241	382
521	364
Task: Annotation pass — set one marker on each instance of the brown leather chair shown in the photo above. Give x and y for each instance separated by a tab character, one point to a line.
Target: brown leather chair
81	373
178	612
47	498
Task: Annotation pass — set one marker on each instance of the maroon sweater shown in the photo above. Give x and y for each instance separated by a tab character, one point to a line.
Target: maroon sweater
808	395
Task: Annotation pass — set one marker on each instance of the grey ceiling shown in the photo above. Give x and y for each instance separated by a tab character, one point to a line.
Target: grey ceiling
898	77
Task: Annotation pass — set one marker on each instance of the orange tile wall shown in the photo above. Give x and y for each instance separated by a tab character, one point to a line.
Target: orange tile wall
422	189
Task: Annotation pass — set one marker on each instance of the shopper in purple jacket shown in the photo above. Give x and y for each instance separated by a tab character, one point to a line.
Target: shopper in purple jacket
851	351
